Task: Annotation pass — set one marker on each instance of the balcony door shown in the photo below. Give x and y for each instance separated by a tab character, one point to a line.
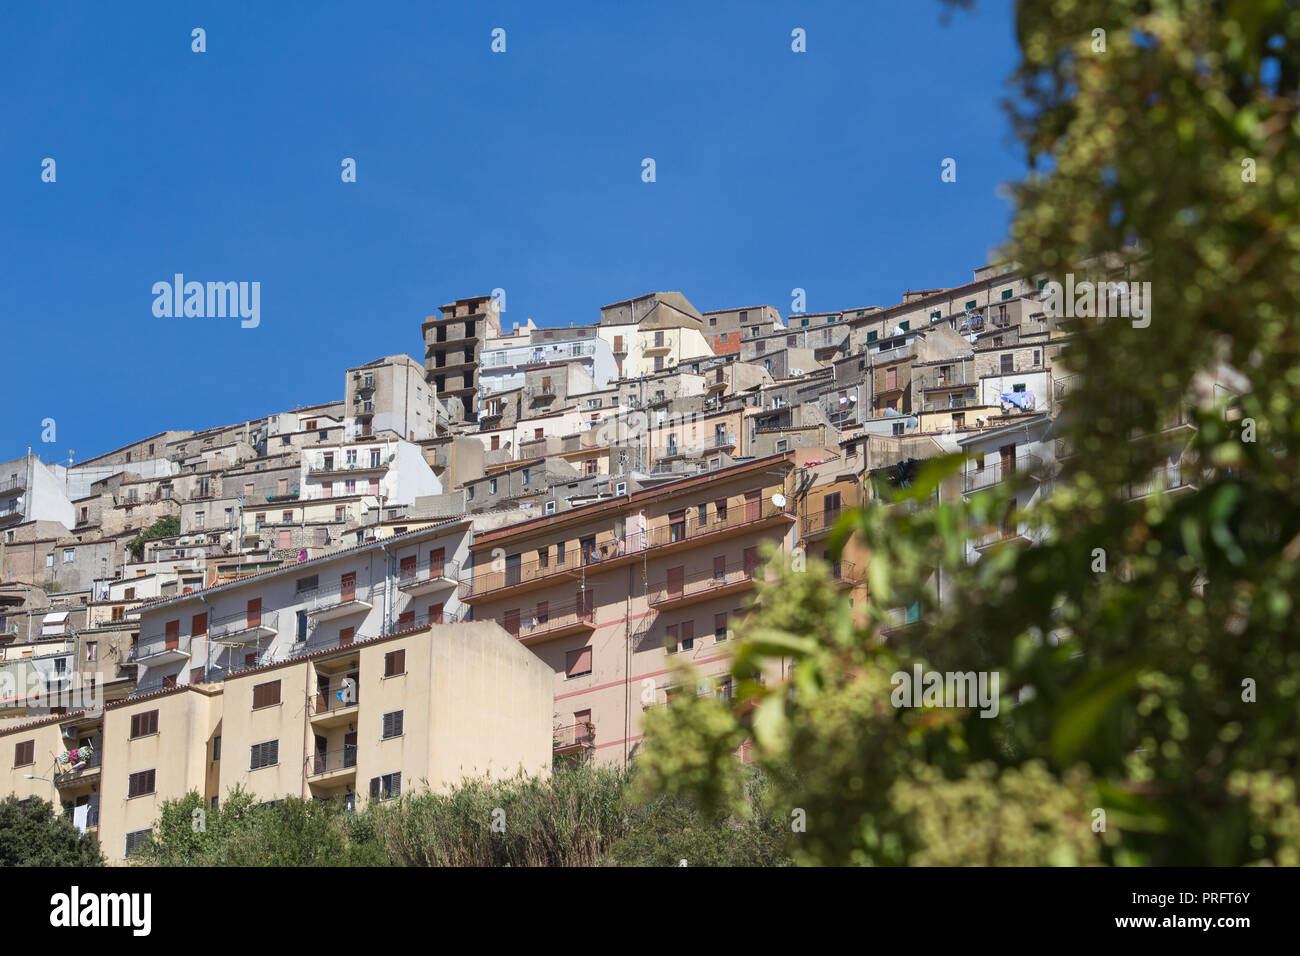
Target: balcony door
348	588
753	505
173	635
254	618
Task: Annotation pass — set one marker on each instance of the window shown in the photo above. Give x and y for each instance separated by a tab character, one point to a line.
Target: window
905	325
1006	293
395	663
936	315
92	651
671	638
677	525
492	486
25	753
720	626
577	663
1007	363
899	428
266	695
720	509
49	560
142	725
216	747
972	304
386	787
68	555
140	784
688	635
391	725
724	690
136	839
264	755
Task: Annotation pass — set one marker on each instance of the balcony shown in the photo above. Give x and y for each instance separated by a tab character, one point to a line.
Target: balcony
325	604
13	483
365	409
717	382
79	774
740	518
427	577
845	574
1168	479
574	738
350	467
241	628
815	524
329	765
329	710
721	440
973	479
544	395
548	623
704	584
658	348
156	651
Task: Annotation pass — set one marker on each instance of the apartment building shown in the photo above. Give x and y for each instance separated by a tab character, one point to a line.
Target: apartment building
606	594
726	328
333	600
386	468
453	340
32	490
390	396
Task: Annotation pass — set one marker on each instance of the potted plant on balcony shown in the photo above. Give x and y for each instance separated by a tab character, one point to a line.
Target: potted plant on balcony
77	757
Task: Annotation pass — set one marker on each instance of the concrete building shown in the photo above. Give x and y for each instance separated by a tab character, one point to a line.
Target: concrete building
390	395
31	490
453	340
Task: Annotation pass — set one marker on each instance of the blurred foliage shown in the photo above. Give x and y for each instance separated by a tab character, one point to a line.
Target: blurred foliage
1170	157
166	527
31	835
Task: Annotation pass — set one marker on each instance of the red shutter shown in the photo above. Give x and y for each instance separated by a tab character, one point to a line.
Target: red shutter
753	501
173	635
345	635
511	622
577	662
719	566
349	587
199	625
676	579
407	569
255	612
751	561
435	613
437	561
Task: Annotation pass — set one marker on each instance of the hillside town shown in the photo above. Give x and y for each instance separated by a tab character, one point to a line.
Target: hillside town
487	559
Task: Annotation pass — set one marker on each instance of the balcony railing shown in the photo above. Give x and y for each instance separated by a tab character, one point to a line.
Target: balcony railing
738	516
575	735
426	571
538	621
815	522
336	595
703	581
334	467
997	471
321	705
156	645
13	483
235	624
328	761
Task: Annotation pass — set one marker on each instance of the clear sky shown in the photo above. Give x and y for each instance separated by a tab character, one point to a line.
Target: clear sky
476	170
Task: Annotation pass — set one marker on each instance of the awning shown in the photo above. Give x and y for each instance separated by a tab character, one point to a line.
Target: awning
54	623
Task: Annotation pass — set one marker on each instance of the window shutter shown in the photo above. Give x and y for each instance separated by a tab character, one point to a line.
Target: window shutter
374	786
392	724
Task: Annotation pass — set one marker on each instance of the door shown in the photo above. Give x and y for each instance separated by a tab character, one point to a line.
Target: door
437	562
320	757
348	589
254	618
1008	457
345	636
511	622
407	569
720	567
676	580
173	635
753	503
350	749
435	613
322	694
586	603
751	561
512	569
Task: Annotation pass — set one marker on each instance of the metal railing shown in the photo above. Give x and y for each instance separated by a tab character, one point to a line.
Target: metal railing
13	483
997	471
428	571
320	599
738	515
238	622
544	620
704	580
328	761
336	467
575	735
323	704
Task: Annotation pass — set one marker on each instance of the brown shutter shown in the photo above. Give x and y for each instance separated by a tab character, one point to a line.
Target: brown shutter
676	578
199	625
173	635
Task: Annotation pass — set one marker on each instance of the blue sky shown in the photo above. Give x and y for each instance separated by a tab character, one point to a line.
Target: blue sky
475	171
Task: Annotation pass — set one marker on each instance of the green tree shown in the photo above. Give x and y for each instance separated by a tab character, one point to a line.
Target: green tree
1164	690
166	527
31	835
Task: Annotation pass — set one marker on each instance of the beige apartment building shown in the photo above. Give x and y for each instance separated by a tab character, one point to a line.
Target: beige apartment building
429	706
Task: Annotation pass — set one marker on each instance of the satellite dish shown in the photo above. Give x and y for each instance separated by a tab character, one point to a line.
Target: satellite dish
778	499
